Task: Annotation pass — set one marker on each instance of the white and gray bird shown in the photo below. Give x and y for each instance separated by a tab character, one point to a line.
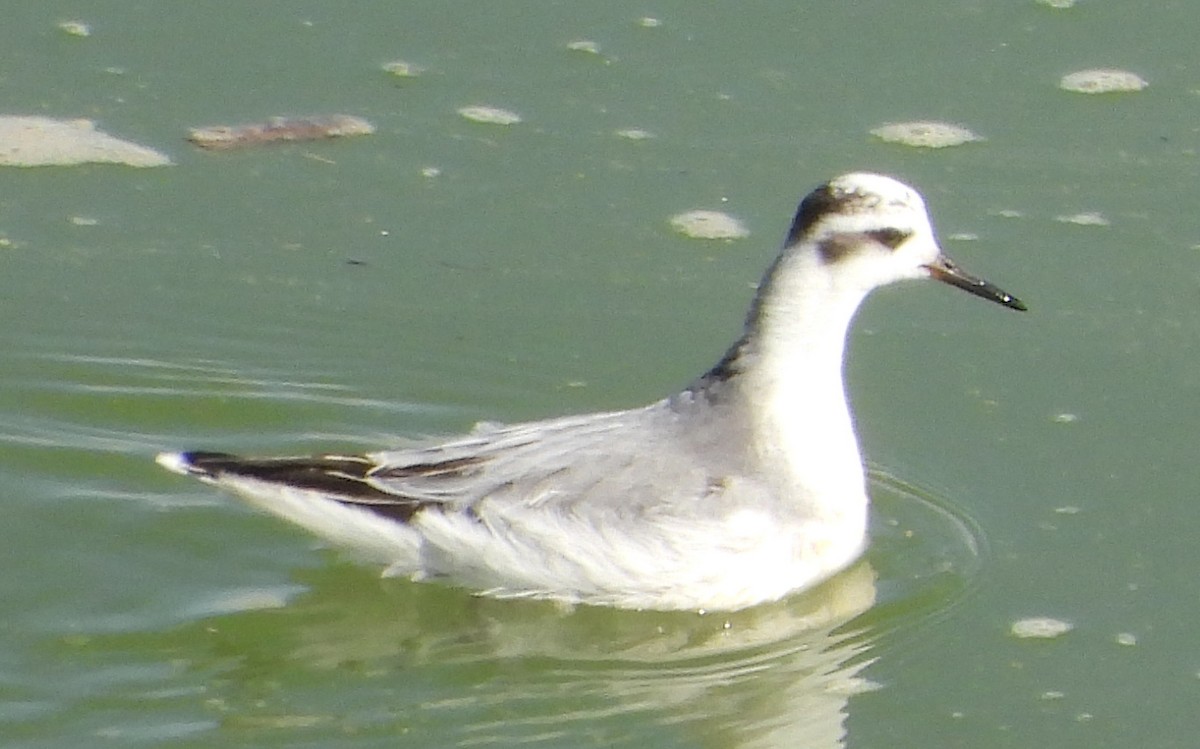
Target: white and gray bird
744	487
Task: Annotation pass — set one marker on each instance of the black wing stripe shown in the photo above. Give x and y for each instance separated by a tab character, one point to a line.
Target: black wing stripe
453	467
344	478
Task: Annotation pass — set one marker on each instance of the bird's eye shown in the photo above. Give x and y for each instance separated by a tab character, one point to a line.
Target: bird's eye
890	237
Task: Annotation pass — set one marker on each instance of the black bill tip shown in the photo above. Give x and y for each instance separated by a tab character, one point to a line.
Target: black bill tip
945	270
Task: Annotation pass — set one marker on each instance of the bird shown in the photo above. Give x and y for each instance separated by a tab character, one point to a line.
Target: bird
742	488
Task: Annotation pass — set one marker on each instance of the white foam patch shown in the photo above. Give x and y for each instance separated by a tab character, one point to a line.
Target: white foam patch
43	141
1040	628
584	45
1102	81
709	225
1088	218
634	133
926	134
75	28
490	115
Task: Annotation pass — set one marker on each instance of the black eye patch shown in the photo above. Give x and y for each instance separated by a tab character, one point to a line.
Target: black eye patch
892	238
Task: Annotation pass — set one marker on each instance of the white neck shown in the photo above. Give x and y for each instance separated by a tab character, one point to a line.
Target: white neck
787	374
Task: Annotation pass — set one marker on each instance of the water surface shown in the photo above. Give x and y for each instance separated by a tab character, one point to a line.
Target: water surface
353	294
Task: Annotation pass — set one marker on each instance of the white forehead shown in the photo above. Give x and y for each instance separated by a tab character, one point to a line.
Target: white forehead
868	192
862	202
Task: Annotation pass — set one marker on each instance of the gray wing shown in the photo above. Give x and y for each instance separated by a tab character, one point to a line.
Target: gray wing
625	462
631	463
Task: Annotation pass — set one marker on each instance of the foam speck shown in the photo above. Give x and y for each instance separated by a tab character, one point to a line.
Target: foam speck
402	69
633	133
75	28
584	45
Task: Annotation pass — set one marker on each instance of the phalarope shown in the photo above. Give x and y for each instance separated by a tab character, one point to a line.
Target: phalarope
742	488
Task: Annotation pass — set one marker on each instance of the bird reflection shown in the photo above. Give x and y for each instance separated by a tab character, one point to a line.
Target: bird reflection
509	672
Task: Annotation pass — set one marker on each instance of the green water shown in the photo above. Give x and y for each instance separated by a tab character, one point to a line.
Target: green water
334	295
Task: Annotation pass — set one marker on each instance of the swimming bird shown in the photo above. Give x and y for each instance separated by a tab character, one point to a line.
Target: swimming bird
742	488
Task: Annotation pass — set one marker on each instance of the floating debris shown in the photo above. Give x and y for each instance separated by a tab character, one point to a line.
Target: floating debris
402	69
1009	213
925	134
963	236
633	133
75	28
84	221
1040	627
1064	418
709	225
1102	81
223	137
646	22
584	45
1088	218
1128	639
490	115
43	141
1057	3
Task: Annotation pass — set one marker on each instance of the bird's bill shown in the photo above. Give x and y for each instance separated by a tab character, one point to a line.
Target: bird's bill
945	270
